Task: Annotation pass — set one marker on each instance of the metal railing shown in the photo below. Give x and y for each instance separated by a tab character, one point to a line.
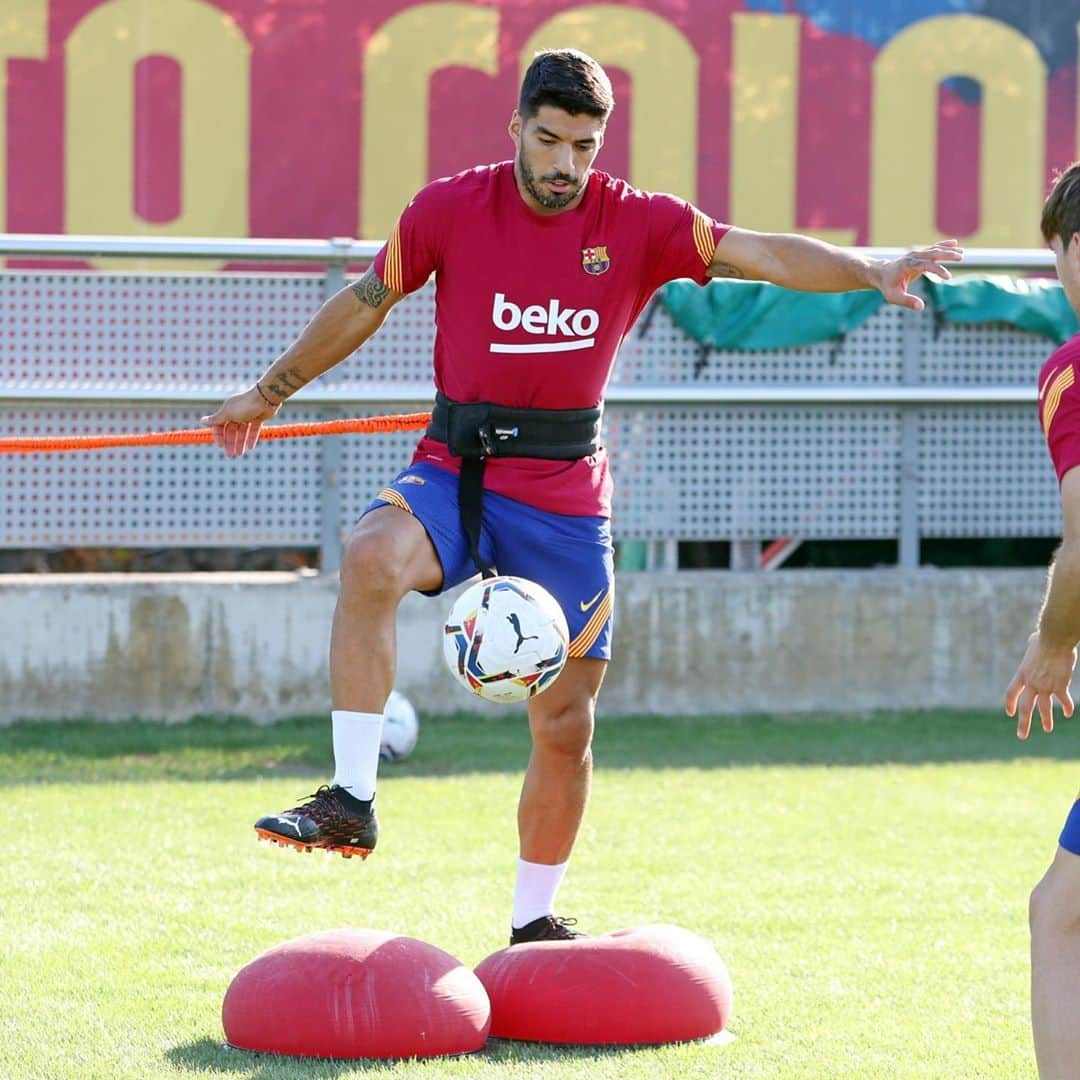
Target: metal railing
347	250
336	255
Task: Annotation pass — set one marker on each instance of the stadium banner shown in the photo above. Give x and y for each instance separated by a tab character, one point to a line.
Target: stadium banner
861	121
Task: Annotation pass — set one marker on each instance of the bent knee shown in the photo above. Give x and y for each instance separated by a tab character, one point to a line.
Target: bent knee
1054	906
568	731
374	562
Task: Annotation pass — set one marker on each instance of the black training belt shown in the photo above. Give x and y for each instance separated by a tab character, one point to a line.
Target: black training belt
477	430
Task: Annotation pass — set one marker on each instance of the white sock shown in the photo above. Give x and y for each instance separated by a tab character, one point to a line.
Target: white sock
534	894
356	751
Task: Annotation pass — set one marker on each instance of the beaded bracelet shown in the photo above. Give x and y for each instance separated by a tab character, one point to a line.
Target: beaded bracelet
275	404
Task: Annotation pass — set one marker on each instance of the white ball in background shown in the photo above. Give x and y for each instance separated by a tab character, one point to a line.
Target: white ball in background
401	728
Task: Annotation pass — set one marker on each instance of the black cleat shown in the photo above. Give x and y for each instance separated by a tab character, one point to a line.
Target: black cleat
332	820
546	928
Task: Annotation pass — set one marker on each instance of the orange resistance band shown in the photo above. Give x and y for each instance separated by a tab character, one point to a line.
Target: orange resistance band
189	436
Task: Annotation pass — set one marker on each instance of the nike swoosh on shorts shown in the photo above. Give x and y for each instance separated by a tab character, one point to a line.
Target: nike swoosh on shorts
585	607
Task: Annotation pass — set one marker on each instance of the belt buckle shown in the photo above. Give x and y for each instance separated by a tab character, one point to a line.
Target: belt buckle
490	436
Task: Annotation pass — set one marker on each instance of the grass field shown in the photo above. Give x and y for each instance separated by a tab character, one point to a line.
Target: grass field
865	880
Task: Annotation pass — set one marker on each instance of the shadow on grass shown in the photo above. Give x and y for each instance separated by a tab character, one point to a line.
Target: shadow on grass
210	1057
220	749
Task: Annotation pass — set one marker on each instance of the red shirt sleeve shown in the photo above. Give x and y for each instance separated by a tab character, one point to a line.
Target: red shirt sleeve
1059	414
682	240
414	250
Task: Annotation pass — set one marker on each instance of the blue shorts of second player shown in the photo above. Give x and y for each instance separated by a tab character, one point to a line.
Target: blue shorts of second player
1070	835
570	555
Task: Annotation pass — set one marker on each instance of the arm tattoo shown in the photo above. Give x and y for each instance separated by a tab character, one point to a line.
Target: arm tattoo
370	289
724	269
284	384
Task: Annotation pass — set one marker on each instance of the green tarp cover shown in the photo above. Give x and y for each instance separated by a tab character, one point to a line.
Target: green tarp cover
756	315
1038	305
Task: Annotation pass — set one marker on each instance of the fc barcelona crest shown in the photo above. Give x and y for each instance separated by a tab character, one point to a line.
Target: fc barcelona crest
594	260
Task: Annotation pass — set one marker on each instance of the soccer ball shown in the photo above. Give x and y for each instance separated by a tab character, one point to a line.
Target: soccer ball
506	639
400	728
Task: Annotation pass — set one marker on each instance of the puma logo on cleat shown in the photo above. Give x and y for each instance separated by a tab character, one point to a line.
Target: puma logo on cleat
585	606
513	620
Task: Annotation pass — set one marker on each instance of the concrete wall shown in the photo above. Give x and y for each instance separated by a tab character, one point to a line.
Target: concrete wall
174	646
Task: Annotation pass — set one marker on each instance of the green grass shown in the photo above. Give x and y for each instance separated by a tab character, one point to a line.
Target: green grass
865	880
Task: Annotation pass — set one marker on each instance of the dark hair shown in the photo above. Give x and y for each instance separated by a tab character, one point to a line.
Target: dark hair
1061	211
568	79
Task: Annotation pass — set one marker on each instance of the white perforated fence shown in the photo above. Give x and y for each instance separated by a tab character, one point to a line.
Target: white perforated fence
901	429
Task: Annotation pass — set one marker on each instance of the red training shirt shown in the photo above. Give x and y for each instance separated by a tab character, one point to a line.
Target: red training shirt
1059	406
530	309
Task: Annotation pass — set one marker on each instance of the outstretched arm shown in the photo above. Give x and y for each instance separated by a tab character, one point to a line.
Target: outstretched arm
801	262
1047	666
339	327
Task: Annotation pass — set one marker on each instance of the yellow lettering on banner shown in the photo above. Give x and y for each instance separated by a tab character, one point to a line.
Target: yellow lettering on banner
907	74
400	59
24	35
663	67
764	115
214	57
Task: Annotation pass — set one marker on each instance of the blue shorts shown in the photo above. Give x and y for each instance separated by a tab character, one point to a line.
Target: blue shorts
1070	835
570	555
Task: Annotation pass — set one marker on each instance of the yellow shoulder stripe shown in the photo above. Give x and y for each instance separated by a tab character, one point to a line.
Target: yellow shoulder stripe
703	236
392	268
1064	379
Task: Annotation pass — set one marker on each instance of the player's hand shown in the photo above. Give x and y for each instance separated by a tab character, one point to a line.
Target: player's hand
898	274
237	423
1043	675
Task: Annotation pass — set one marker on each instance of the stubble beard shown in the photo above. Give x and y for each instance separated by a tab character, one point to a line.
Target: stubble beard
549	200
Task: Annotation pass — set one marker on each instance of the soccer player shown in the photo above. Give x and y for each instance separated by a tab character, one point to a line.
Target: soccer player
541	266
1047	666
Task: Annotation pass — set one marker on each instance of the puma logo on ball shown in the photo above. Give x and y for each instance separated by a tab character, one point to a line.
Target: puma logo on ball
515	622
